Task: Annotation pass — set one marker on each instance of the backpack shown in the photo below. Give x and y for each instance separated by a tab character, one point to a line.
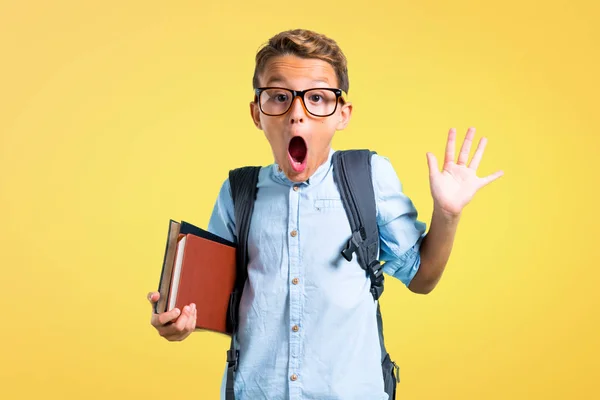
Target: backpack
352	175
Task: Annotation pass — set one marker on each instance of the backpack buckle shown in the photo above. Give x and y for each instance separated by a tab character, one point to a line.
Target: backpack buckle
354	243
375	271
232	358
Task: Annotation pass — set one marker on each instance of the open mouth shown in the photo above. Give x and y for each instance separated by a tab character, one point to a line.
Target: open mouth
297	151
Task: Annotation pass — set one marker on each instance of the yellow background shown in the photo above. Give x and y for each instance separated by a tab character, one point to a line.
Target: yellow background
116	117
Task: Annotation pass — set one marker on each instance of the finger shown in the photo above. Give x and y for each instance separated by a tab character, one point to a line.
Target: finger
463	156
181	322
450	144
191	323
474	164
433	164
163	318
490	178
175	328
153	297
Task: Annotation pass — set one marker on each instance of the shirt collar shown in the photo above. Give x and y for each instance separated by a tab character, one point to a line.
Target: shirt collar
316	177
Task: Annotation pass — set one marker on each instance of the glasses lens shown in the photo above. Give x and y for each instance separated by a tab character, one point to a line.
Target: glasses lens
275	101
320	101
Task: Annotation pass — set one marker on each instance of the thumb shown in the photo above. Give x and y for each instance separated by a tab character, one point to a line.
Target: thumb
153	297
432	163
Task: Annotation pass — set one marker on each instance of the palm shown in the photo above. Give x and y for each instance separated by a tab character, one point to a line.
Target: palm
454	187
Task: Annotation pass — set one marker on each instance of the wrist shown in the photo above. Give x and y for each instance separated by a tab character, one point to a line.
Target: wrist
448	218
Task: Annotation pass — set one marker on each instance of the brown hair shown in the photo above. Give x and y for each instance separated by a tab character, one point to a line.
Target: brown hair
306	44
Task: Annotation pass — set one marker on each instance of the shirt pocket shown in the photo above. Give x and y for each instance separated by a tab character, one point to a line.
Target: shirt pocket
328	204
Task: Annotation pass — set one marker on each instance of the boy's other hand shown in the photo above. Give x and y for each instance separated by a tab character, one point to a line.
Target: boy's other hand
173	325
454	187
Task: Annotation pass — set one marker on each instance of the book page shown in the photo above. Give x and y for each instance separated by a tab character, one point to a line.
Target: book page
176	272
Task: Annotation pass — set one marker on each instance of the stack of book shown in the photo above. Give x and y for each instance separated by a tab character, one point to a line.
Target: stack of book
198	267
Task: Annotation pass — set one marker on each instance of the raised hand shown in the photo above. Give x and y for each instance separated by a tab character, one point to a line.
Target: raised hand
454	187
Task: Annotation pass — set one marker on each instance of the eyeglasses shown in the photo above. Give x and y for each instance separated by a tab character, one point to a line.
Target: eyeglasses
320	102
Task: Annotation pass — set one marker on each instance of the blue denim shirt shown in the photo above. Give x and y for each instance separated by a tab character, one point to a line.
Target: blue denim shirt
308	327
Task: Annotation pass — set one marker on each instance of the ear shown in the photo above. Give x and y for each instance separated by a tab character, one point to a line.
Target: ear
255	113
344	117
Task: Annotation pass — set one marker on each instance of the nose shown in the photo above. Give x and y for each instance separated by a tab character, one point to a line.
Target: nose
297	112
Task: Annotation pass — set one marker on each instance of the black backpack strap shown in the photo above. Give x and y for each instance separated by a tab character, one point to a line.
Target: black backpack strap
243	182
352	174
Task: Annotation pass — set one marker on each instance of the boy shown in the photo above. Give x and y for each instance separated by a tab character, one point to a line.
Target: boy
308	325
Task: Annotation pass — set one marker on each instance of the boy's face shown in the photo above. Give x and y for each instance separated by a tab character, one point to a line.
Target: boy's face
299	158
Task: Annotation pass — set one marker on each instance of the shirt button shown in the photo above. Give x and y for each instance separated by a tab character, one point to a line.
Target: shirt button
295	328
293	233
296	188
295	281
294	377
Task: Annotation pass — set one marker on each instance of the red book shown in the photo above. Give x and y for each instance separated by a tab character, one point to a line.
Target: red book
198	267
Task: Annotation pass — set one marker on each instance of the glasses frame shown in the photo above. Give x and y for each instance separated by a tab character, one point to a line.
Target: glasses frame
339	94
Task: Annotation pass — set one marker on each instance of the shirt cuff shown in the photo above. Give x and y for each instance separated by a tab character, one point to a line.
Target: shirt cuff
405	267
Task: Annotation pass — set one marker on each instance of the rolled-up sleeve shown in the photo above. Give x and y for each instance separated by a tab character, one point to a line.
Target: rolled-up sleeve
400	232
222	219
